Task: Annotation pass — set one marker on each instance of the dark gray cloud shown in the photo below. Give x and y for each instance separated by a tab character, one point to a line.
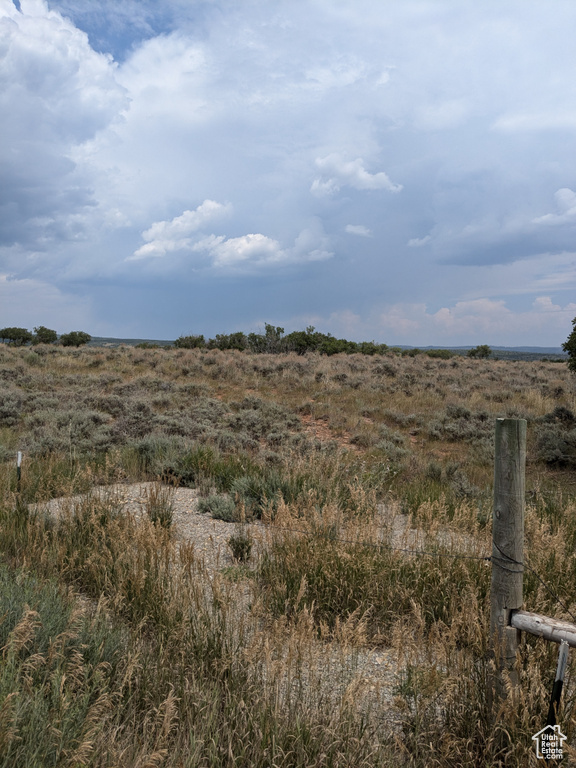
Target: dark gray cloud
56	94
386	170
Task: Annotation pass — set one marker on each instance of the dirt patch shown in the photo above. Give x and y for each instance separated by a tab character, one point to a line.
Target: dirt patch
319	430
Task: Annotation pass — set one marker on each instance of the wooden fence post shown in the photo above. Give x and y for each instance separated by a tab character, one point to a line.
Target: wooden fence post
507	545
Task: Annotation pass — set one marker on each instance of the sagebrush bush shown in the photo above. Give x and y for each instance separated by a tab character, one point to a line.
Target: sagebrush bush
218	507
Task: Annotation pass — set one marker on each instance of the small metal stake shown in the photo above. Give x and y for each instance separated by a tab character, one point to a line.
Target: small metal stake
558	683
18	470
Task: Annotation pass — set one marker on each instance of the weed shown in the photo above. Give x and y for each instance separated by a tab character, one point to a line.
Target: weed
159	504
240	546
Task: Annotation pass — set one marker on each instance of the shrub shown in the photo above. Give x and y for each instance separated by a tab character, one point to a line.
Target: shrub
190	342
385	369
10	408
236	340
218	507
137	421
461	424
483	351
556	446
154	452
204	465
441	354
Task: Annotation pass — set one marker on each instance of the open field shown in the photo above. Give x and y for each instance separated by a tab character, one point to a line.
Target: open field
320	643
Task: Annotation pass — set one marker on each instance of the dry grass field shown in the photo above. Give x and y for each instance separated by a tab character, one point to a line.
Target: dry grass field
316	641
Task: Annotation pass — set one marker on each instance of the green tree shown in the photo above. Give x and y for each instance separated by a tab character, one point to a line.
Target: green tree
190	342
569	346
483	351
303	341
17	337
236	340
43	335
270	341
74	339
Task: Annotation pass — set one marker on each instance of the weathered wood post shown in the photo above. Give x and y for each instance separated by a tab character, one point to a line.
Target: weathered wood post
507	545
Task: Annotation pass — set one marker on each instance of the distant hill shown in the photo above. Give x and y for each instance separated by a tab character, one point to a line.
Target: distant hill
515	353
500	353
103	341
530	350
536	350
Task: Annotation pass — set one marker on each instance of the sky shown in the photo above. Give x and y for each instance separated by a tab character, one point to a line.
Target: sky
402	171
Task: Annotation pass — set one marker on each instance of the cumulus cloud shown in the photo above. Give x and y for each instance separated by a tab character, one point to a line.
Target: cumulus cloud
234	251
228	101
183	233
55	94
176	235
358	229
257	250
337	173
566	204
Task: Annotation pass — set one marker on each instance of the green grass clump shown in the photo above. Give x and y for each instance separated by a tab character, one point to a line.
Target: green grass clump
60	677
343	578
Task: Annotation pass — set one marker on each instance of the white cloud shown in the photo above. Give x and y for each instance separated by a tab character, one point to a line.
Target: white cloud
337	173
312	244
168	78
257	250
56	93
566	204
252	250
233	101
176	235
358	229
418	242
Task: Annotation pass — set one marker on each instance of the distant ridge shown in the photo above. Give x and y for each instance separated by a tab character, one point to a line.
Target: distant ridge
508	353
105	341
530	350
538	350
